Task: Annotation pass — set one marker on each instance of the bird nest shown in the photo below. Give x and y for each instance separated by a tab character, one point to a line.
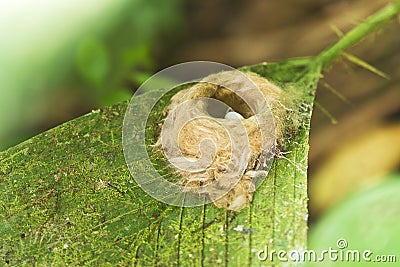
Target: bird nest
220	135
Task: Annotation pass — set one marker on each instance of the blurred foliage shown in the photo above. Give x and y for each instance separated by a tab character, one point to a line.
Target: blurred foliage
70	57
367	220
361	161
93	61
67	197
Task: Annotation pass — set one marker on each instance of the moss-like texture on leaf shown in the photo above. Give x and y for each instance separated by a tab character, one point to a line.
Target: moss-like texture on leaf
67	198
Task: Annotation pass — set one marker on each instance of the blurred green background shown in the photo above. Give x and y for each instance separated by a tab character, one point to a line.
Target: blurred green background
61	59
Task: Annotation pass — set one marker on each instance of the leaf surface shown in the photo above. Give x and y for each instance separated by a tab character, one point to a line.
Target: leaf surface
67	198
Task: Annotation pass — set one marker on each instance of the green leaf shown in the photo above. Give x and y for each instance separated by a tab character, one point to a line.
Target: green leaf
367	220
67	197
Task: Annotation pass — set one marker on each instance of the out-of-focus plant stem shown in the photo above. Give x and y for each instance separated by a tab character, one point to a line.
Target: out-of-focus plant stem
371	24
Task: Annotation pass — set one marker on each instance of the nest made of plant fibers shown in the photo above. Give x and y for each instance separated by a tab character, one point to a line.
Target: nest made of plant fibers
262	113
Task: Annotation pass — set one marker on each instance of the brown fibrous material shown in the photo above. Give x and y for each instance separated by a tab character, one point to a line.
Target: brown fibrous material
262	123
